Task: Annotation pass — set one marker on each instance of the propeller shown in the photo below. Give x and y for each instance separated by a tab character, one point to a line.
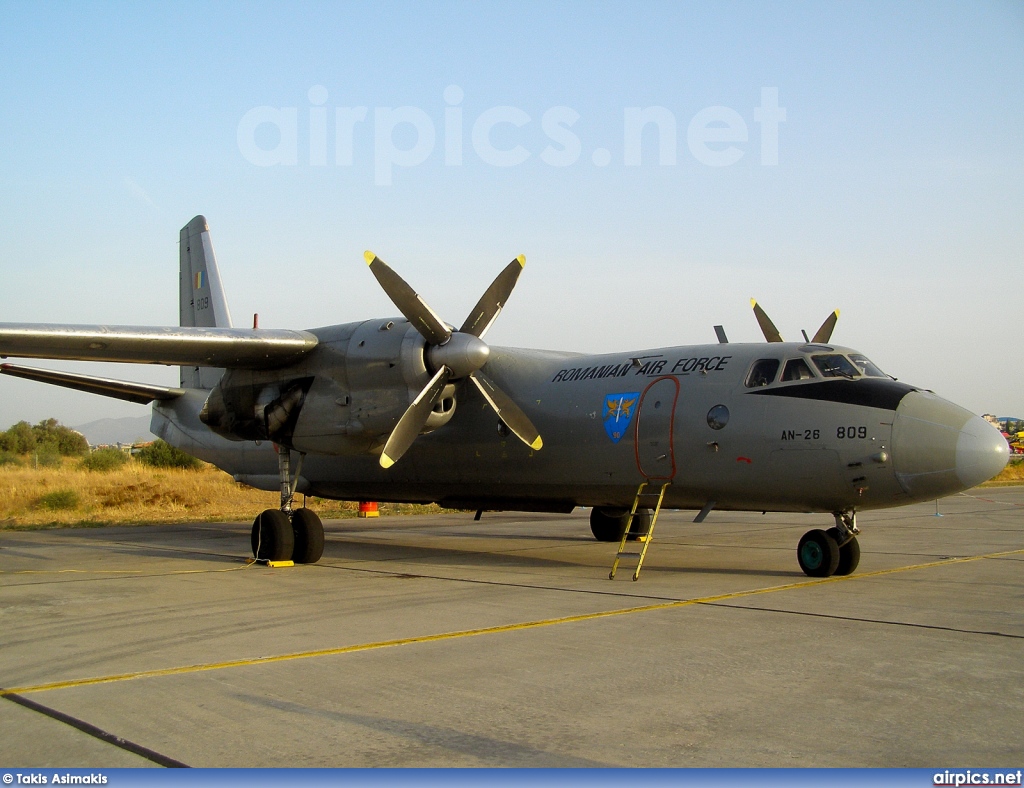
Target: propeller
824	334
454	355
771	333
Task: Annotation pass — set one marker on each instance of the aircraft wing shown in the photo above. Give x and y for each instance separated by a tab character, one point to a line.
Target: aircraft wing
185	346
142	393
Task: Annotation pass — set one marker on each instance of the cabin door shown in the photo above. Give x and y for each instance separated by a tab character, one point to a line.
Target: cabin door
655	427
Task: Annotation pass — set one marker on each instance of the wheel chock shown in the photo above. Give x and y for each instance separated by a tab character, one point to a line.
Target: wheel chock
271	564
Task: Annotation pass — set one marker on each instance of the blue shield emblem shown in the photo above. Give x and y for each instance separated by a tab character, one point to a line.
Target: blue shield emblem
618	413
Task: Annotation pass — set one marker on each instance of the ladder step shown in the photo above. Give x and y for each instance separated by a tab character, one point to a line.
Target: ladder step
644	538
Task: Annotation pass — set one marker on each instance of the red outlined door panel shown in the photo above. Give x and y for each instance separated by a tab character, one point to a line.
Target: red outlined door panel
655	429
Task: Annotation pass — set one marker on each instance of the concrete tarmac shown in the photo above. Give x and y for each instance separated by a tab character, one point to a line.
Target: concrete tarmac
440	641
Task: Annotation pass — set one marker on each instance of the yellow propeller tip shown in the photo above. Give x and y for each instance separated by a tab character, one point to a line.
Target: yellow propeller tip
837	313
521	260
369	257
753	302
537	444
385	461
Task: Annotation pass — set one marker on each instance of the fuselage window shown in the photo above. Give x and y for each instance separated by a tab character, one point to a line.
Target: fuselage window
797	369
866	367
762	373
835	366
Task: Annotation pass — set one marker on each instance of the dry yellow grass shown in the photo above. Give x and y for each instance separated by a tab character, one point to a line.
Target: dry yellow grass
68	495
71	496
1013	473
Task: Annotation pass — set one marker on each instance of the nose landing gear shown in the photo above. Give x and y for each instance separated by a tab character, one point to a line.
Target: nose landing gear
285	534
832	552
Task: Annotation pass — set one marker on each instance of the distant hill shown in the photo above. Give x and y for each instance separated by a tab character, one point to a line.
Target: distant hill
131	429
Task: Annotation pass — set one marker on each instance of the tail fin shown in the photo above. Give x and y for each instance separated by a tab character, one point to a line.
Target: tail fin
201	298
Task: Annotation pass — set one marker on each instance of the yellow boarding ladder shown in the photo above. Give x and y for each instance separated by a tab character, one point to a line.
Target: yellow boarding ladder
644	539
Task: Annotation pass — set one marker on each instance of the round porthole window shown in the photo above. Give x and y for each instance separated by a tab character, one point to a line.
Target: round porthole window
718	417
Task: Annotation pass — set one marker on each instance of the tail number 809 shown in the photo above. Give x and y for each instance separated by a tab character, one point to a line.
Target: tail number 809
851	432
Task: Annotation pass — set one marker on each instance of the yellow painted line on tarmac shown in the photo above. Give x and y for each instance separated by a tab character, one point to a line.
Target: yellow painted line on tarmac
548	622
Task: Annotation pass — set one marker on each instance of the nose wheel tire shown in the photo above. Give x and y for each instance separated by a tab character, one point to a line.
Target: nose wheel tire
818	554
272	537
607	525
640	526
849	553
308	531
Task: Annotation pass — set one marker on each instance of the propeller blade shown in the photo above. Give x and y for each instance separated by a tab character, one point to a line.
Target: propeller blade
771	333
508	411
408	302
824	334
412	421
493	299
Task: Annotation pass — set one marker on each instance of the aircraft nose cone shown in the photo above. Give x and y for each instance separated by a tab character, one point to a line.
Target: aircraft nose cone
939	448
981	452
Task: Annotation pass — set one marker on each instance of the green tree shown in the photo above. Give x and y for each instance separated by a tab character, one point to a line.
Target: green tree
54	437
105	460
161	454
19	439
45	433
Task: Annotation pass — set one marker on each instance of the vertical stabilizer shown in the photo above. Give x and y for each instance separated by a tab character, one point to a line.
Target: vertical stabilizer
201	298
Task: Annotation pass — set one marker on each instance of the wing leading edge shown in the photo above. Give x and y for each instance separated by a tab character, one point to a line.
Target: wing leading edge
186	346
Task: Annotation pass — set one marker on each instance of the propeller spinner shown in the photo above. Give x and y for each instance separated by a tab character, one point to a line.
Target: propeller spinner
453	354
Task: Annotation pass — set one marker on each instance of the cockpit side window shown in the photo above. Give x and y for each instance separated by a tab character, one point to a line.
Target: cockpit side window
834	365
762	373
866	367
797	369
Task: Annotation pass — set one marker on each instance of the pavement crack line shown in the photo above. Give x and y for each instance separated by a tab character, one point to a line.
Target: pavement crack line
493	630
92	730
910	624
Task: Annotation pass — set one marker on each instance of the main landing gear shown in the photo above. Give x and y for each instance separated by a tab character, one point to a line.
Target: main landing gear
285	534
832	552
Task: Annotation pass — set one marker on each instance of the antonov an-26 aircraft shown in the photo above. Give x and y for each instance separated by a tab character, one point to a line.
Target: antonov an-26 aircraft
410	409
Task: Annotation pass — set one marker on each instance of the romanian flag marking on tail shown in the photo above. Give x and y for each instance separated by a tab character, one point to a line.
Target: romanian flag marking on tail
200	279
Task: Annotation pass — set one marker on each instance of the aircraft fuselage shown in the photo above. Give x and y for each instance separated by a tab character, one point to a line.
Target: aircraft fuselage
700	417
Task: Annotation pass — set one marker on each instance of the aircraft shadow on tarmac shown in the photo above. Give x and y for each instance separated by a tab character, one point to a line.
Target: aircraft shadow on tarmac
349	550
491	751
229	545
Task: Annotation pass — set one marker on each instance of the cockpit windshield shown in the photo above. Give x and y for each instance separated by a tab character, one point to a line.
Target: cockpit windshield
762	373
797	369
833	365
866	367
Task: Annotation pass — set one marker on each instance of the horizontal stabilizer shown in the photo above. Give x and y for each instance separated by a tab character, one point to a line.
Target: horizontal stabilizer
141	393
188	346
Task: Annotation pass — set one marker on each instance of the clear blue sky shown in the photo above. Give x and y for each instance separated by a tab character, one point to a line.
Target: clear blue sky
898	195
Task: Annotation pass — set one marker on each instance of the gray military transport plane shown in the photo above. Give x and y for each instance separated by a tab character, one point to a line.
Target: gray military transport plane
409	409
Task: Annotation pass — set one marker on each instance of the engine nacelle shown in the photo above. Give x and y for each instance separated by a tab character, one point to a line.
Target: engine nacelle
344	398
243	408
